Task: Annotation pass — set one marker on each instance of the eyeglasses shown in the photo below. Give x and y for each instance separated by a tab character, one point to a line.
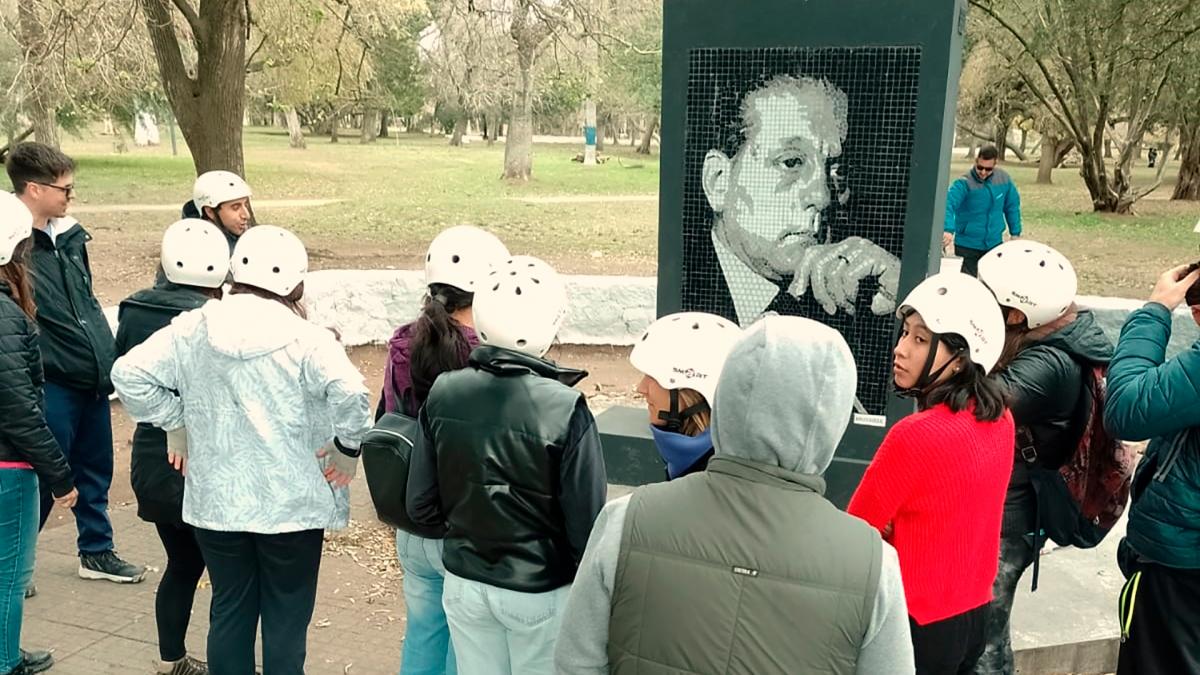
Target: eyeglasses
68	190
984	169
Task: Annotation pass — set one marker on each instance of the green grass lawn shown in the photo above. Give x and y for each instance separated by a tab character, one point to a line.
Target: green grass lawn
398	193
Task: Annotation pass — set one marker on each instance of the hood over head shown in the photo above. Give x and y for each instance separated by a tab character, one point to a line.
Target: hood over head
785	395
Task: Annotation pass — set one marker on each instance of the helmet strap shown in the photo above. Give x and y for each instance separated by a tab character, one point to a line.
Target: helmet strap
674	417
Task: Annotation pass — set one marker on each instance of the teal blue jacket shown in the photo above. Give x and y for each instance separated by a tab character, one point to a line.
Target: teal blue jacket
1152	398
976	210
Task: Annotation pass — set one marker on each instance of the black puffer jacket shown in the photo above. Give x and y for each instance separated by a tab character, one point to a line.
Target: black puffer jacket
24	436
1045	383
156	484
76	342
510	461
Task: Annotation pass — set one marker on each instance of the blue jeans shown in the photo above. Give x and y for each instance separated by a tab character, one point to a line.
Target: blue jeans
501	632
427	649
18	539
81	422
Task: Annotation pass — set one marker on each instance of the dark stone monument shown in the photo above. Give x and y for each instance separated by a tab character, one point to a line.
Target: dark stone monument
803	173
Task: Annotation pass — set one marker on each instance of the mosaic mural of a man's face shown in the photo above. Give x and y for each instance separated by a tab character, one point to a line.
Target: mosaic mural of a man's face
797	165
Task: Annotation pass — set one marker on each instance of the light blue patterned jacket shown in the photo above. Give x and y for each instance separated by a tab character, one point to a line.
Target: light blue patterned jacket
260	390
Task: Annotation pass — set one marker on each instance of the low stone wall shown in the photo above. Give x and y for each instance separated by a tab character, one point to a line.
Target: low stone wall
367	305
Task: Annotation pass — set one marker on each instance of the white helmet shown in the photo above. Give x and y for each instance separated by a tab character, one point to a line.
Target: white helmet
16	224
1031	277
462	255
952	302
686	351
270	258
213	188
195	253
520	305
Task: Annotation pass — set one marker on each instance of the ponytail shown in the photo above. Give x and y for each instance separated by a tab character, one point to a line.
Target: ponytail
437	344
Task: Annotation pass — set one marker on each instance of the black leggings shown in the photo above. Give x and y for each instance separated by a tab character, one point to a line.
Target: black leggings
177	589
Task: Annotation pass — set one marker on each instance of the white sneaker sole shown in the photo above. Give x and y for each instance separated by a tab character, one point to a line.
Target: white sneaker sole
85	573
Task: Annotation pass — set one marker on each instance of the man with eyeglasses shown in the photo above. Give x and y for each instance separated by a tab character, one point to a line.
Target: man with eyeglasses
77	352
978	206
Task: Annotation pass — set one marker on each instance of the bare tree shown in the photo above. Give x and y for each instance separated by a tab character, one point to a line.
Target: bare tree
39	103
1086	61
207	95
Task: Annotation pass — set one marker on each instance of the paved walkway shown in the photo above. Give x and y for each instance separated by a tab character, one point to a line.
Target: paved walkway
146	208
101	628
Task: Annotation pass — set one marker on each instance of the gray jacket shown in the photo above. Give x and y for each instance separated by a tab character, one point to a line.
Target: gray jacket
757	417
260	391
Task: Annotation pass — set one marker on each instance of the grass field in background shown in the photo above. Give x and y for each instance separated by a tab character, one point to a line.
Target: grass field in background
399	192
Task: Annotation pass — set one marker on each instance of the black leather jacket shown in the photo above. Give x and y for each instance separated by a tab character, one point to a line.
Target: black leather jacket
24	436
511	464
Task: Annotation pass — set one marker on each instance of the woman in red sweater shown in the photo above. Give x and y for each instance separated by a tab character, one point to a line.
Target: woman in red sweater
936	486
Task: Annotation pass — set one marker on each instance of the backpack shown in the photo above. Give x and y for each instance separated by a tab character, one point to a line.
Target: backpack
1080	501
386	452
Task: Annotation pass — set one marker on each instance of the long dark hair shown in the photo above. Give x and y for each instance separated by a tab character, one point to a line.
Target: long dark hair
18	281
971	385
437	345
291	300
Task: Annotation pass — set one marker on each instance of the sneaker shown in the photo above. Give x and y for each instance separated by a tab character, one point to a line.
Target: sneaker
33	662
185	666
109	567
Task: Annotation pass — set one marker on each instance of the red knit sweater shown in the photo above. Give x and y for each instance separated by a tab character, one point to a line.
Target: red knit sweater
939	479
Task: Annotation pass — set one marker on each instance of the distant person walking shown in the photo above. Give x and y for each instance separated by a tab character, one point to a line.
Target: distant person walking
978	206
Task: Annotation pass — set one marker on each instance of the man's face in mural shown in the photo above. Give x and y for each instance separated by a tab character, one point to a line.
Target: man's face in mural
770	195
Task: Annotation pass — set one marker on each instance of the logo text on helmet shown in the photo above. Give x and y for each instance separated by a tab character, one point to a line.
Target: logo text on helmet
690	373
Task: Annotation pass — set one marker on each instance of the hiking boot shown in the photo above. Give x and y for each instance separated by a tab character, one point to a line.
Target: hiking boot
185	666
33	662
109	567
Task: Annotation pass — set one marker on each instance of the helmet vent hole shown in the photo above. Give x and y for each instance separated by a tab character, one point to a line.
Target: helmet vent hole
521	343
534	280
483	335
210	268
518	290
179	264
275	270
695	326
455	259
942	291
1043	264
496	287
428	257
644	336
245	261
512	274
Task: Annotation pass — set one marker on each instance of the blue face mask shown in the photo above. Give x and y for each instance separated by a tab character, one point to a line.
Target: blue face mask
680	451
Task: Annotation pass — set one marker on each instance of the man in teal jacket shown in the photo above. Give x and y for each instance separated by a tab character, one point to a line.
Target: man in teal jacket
977	207
1152	398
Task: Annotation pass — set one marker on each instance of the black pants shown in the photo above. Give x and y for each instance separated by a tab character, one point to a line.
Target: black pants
950	646
177	589
272	576
970	258
1164	624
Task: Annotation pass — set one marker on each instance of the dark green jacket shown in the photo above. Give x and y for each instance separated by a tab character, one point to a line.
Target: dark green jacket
743	568
76	341
1045	386
1152	398
24	436
510	462
156	484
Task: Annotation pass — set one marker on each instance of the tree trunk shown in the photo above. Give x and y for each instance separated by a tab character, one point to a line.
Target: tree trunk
385	121
648	137
39	102
1024	140
370	126
1046	161
1000	140
1107	148
460	128
972	146
295	131
518	148
209	106
1188	184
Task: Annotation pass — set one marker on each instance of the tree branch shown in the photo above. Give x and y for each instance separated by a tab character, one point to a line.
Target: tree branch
192	18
